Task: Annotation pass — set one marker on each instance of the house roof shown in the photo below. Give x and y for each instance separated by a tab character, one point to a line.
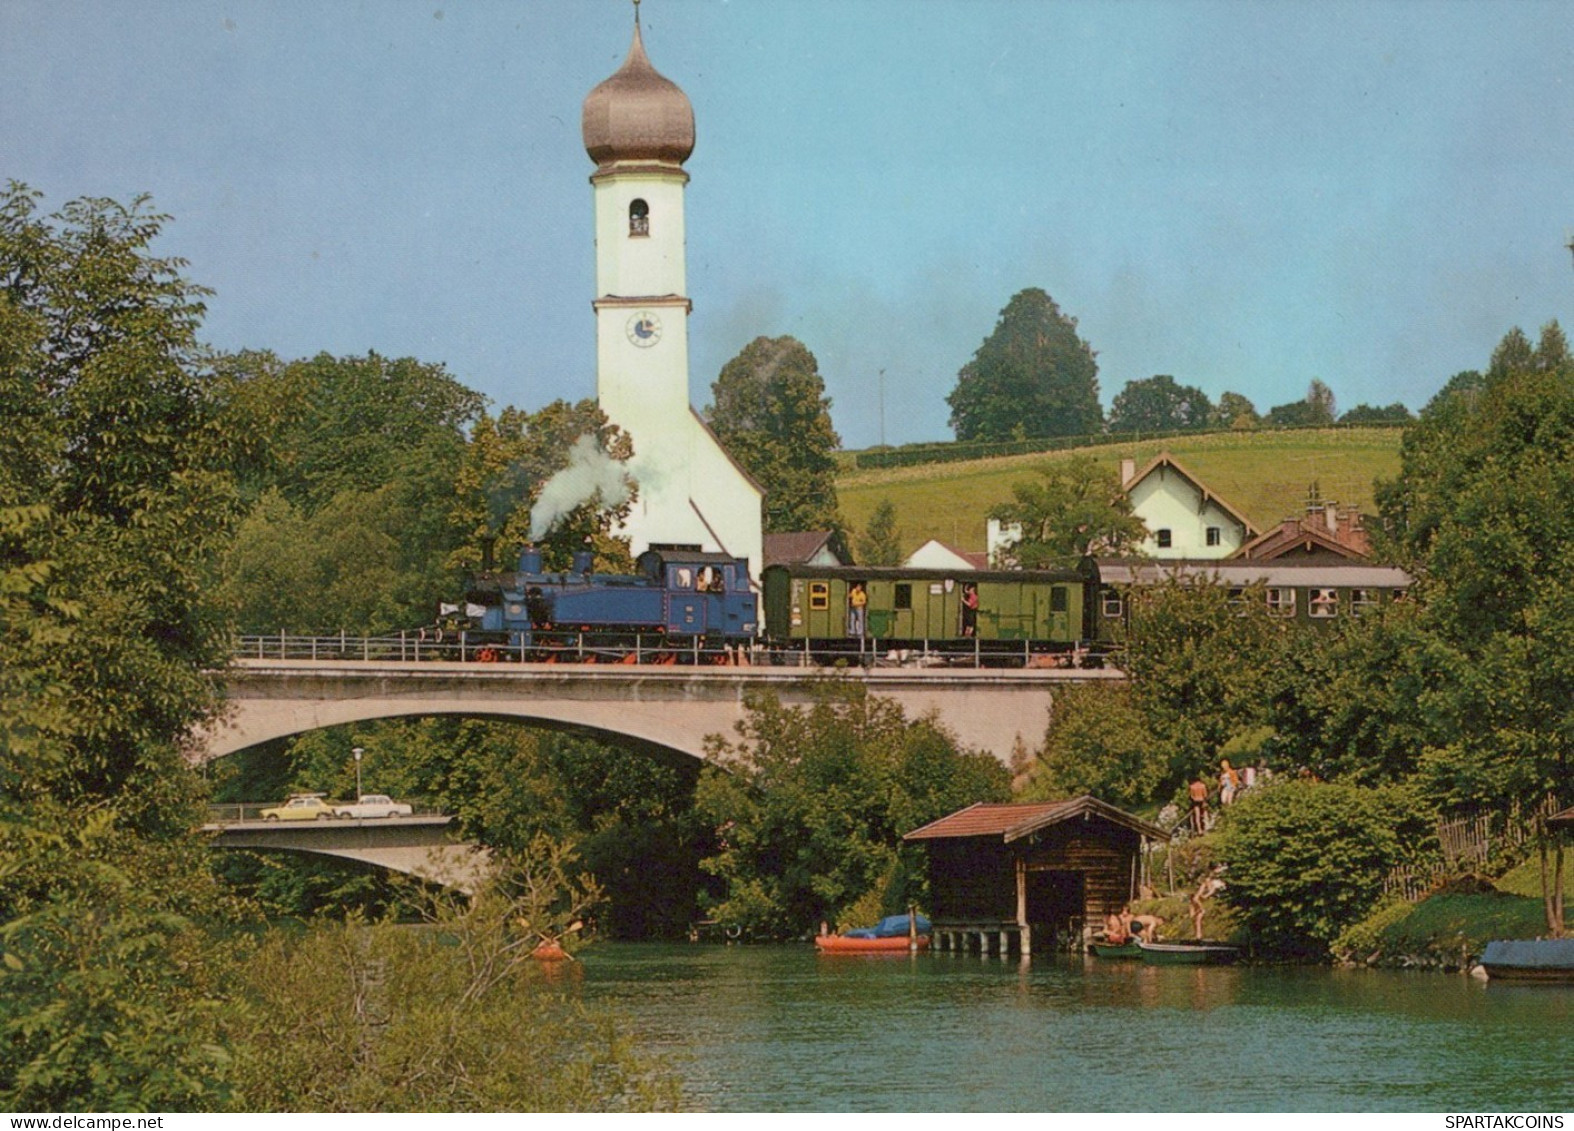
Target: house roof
1012	821
1248	571
1293	536
1164	460
797	546
973	559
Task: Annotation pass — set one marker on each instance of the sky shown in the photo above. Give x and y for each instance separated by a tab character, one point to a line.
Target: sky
1245	196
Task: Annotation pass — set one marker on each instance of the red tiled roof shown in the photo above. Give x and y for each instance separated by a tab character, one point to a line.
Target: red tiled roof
1011	821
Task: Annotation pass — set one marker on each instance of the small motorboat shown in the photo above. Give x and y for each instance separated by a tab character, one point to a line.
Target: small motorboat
1125	949
895	934
1529	960
1180	952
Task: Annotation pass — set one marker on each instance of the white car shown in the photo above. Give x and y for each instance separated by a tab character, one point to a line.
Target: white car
373	805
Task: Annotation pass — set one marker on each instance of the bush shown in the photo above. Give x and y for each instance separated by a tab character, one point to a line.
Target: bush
1306	860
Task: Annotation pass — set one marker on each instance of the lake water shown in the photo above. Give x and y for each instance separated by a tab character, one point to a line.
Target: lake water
783	1029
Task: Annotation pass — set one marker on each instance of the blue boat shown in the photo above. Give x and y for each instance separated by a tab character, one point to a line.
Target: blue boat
891	927
1530	960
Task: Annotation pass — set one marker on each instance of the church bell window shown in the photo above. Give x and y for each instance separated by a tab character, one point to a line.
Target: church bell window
639	218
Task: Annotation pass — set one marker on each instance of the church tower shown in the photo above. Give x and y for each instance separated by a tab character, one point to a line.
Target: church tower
638	128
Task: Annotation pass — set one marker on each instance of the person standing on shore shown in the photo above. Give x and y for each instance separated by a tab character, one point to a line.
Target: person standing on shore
1198	792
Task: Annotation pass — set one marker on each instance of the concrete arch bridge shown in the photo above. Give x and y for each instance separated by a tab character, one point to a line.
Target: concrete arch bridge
671	707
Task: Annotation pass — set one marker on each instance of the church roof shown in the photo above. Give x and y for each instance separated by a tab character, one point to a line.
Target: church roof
637	114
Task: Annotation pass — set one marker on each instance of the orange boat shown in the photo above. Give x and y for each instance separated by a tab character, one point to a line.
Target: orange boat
894	934
842	944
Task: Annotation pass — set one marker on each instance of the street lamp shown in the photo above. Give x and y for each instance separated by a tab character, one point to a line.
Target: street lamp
357	752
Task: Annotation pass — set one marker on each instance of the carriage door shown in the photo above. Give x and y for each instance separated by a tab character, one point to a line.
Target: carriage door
685	611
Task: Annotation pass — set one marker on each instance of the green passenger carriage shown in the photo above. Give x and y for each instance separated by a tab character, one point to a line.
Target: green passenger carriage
1012	615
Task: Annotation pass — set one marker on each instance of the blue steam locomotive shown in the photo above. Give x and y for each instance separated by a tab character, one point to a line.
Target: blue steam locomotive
678	596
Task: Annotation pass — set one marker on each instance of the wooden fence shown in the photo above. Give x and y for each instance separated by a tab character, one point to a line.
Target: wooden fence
1467	844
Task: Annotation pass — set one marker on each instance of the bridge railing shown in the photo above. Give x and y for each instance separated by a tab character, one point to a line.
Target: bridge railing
235	813
580	648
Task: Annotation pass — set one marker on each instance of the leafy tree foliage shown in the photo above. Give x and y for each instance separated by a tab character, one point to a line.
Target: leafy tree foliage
359	1017
511	457
809	805
113	499
1317	409
1485	498
1098	742
881	542
351	465
771	413
115	485
1074	509
1158	404
1201	662
1306	859
1235	411
1033	376
629	814
1395	413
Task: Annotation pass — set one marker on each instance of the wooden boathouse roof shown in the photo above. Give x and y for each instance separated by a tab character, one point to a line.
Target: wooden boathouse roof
1013	821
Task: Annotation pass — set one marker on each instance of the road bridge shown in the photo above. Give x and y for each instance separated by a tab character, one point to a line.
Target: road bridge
673	707
420	846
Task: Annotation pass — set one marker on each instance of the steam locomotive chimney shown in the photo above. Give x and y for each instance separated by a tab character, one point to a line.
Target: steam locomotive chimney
529	560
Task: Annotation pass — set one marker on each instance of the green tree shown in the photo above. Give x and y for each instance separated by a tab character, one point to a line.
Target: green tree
1304	860
1316	410
771	413
1033	376
1158	404
1395	413
115	475
1202	662
1235	411
1484	502
1098	743
881	542
507	466
350	465
1073	509
114	497
809	805
379	1017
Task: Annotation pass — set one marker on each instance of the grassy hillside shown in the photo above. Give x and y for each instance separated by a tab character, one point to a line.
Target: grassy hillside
1263	474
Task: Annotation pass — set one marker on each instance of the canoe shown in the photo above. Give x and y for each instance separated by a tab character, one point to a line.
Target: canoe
1529	960
1128	949
892	944
1180	953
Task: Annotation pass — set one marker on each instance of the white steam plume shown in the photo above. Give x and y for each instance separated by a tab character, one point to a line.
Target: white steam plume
590	472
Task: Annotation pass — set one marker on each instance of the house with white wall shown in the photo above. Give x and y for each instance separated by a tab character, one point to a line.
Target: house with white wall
1184	517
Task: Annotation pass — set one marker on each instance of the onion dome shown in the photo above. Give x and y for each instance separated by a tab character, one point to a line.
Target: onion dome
638	115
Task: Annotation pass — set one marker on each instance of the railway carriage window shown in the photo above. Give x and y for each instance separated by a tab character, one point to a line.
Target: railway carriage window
1059	600
1164	538
902	595
1111	603
1325	603
1215	536
819	596
682	578
639	218
1281	602
1361	600
710	580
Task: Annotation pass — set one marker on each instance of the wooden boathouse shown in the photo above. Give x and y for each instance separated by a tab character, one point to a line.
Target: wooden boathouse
1001	875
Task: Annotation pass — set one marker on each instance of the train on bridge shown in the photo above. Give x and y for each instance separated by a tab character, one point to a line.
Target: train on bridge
685	605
